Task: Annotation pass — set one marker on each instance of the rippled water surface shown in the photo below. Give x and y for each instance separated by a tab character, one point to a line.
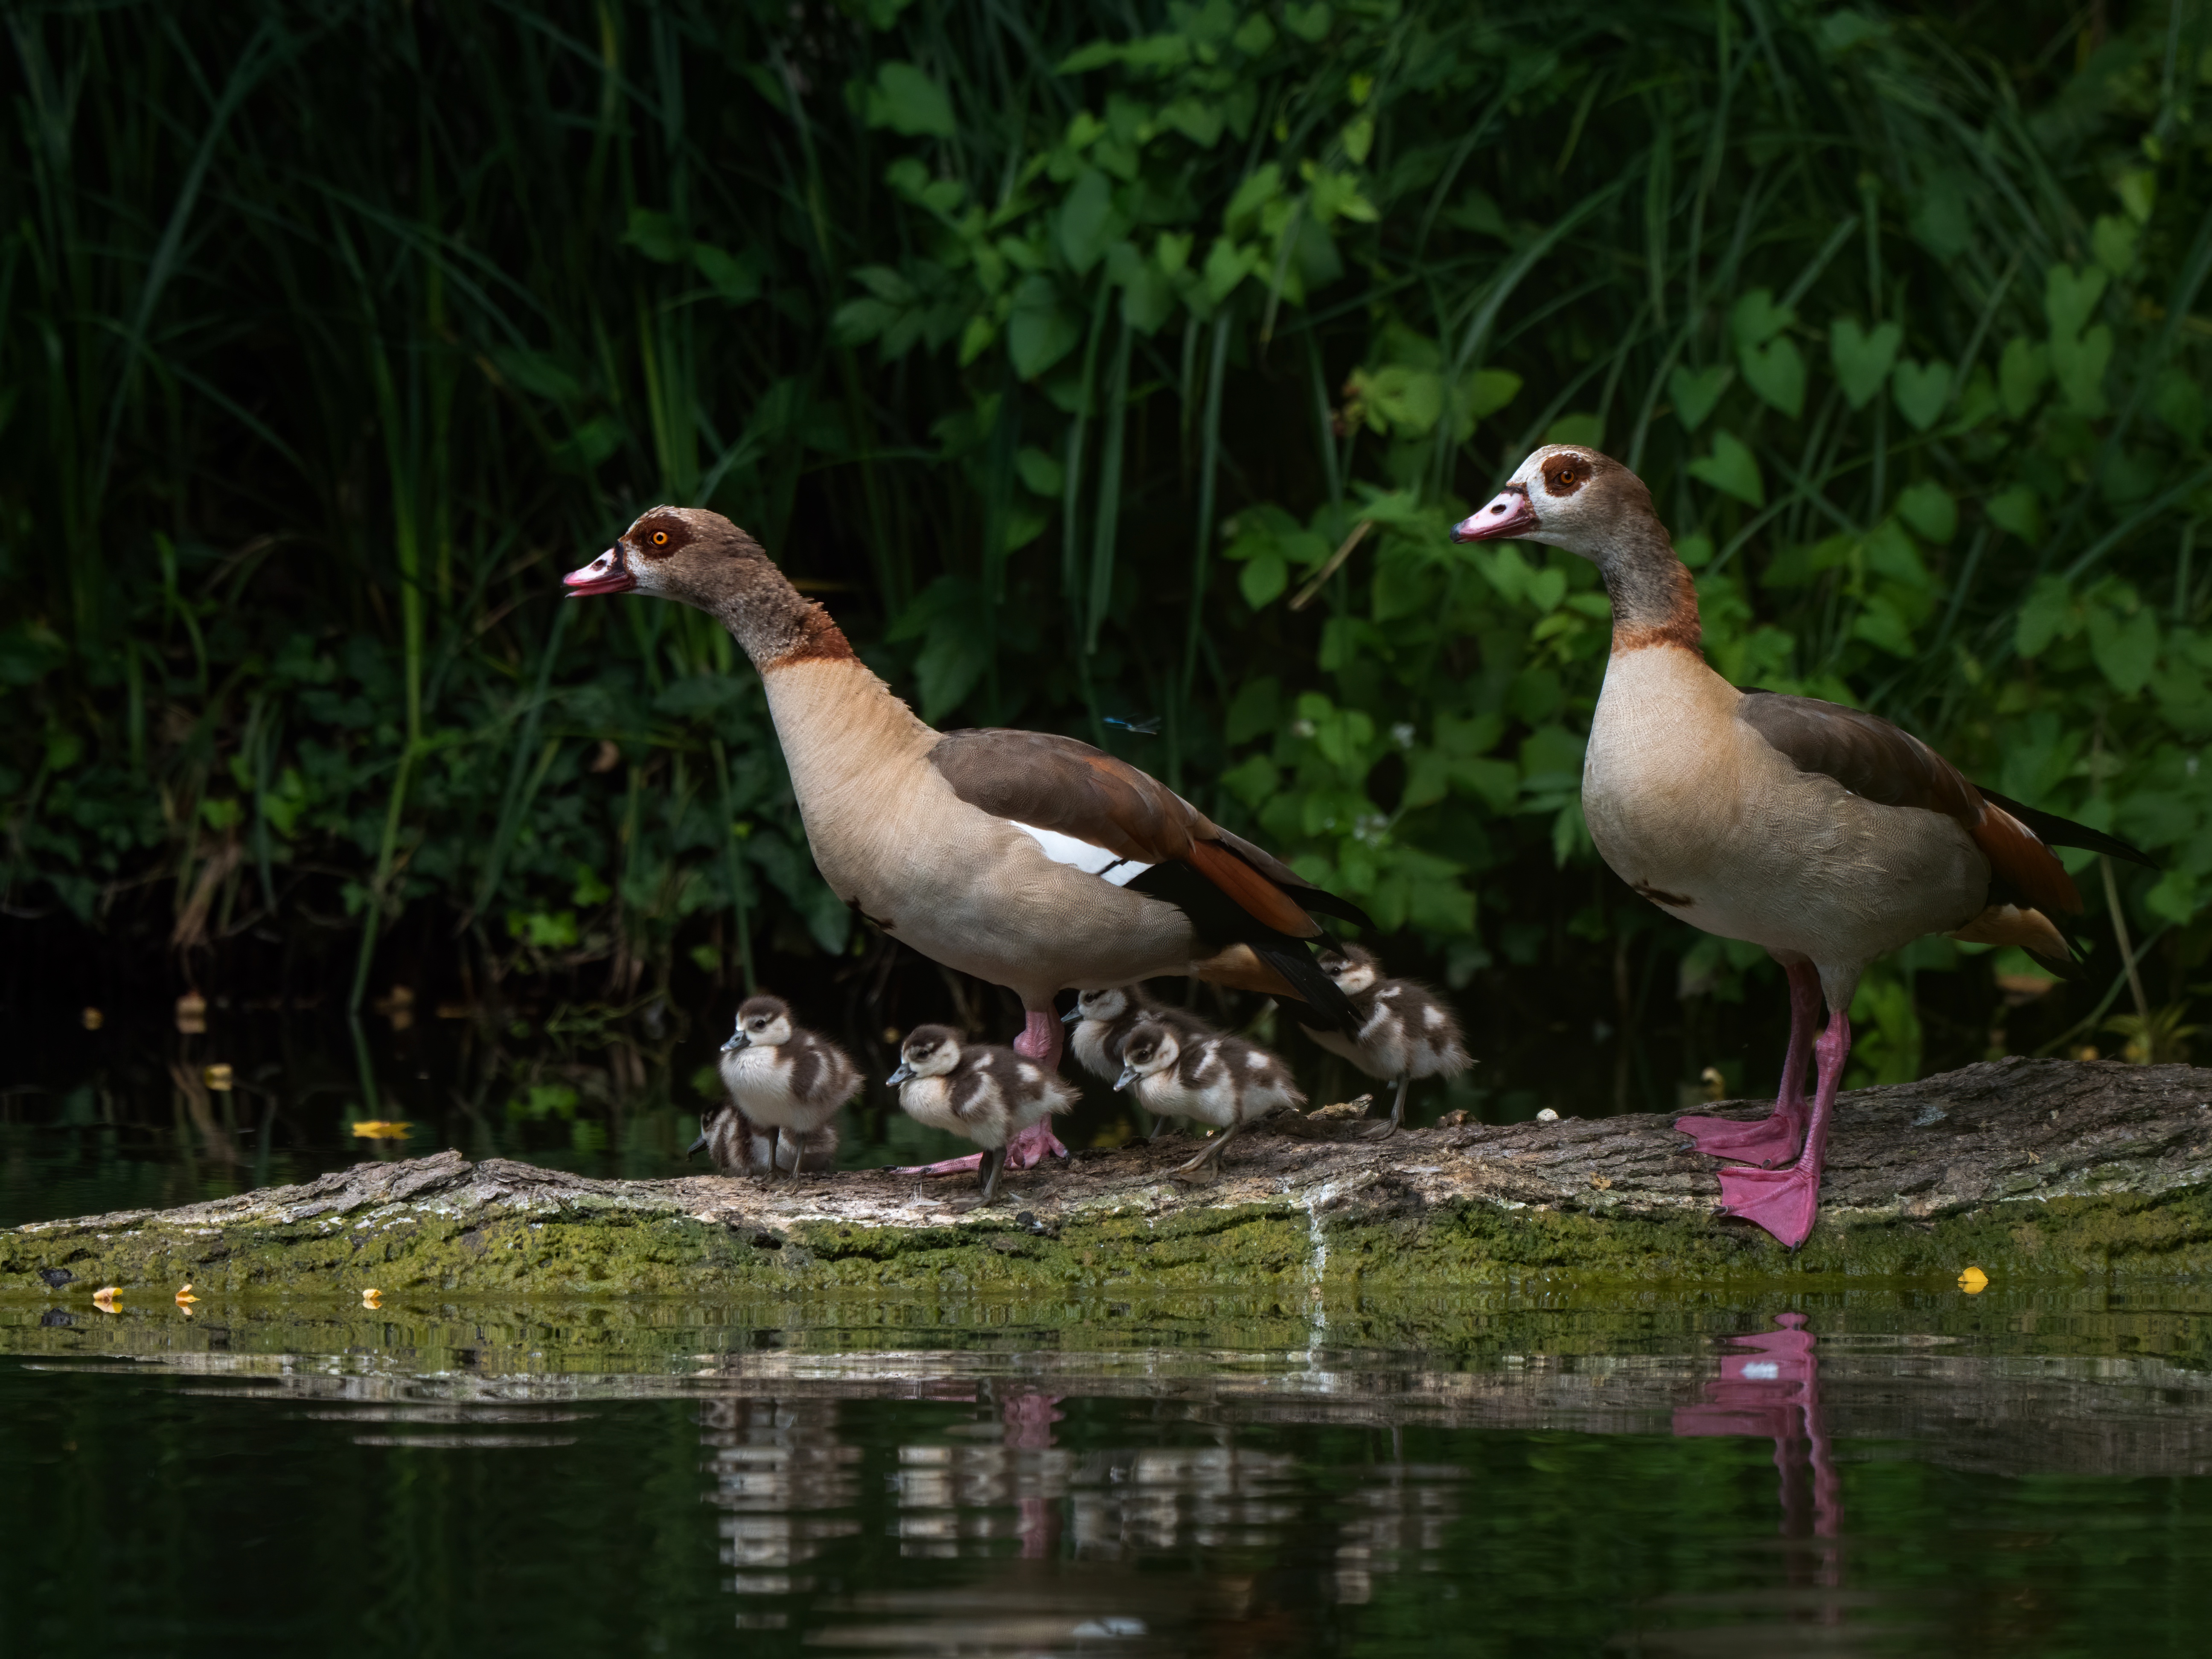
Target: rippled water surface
1889	1471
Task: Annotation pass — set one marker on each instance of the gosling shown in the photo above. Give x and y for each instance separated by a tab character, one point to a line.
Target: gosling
785	1080
1104	1019
739	1146
1406	1030
1220	1080
982	1091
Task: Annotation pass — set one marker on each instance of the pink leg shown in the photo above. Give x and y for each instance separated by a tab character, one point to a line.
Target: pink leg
1785	1200
1779	1134
1040	1040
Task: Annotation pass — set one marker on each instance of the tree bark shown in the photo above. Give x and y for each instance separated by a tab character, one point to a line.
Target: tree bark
2043	1168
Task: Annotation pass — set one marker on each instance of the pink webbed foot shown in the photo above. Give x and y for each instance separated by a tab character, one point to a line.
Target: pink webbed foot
1774	1138
1783	1202
1032	1146
971	1164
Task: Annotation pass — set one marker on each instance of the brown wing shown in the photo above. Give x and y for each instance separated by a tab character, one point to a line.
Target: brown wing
1064	785
1883	763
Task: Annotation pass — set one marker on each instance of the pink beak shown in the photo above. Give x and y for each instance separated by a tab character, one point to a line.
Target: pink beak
1507	515
608	574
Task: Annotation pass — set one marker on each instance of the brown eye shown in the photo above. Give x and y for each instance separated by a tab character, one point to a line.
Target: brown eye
660	538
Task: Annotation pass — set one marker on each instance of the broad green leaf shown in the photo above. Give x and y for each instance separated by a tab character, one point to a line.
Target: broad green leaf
1929	508
733	278
1695	391
2178	401
1261	186
655	235
1888	551
2018	512
1262	579
1732	468
1583	428
2138	190
1041	331
1755	319
1546	588
906	100
1310	23
1776	371
1086	221
1197	118
1488	390
1881	626
2113	241
1921	390
1395	398
2126	647
1226	265
2070	299
2079	366
1254	35
2046	613
1862	360
2020	374
1040	473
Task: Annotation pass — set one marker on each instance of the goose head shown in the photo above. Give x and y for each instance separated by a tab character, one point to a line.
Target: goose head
1354	968
762	1023
673	552
1150	1047
1564	495
1110	1004
928	1051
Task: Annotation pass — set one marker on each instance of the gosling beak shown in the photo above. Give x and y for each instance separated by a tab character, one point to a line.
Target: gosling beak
608	574
1509	514
1074	1016
696	1148
1128	1076
900	1076
737	1039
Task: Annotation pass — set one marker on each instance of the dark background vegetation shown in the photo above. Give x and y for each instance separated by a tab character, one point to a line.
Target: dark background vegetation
1091	362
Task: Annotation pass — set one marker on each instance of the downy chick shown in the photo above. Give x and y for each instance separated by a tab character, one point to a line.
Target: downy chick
785	1080
1220	1080
1406	1030
738	1145
981	1091
1104	1019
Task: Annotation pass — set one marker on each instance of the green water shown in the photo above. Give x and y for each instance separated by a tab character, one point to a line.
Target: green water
2015	1474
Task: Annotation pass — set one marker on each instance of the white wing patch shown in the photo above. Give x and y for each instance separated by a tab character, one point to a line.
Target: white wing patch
1082	855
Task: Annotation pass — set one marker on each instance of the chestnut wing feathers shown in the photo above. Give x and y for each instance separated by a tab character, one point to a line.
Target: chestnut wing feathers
1885	764
1061	784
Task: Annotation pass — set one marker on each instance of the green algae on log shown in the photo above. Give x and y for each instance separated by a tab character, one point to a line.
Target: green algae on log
2021	1167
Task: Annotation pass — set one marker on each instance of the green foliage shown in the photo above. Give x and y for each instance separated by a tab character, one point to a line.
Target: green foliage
1095	359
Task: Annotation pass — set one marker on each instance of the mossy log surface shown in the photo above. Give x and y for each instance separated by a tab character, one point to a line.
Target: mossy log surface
2026	1168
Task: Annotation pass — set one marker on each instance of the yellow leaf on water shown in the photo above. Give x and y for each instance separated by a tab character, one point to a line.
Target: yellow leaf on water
372	1298
1973	1281
185	1294
104	1297
382	1129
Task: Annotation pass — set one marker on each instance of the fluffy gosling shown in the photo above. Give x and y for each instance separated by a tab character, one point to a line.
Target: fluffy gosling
1220	1080
739	1146
1405	1030
785	1080
1104	1019
985	1093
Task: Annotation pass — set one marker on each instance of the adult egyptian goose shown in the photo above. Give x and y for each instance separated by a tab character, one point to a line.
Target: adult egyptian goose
1824	833
1220	1080
785	1078
1029	861
1407	1031
988	1094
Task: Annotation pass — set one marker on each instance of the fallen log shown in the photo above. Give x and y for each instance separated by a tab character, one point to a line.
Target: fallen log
2023	1168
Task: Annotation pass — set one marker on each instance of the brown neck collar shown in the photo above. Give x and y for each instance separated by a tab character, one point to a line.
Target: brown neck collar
1655	602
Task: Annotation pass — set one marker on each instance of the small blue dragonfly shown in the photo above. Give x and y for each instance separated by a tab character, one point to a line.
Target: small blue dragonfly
1148	728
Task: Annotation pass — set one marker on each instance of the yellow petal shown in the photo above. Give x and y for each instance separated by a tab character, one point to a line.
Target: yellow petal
1973	1281
372	1298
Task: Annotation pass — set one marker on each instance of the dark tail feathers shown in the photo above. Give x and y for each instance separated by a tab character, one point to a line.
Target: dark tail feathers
2055	831
1325	1004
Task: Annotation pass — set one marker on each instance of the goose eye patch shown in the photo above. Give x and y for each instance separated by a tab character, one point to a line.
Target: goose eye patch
662	539
1564	474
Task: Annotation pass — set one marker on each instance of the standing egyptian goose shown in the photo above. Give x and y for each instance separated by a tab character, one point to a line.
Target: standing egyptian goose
1221	1080
1407	1030
785	1078
1029	860
1827	835
988	1094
